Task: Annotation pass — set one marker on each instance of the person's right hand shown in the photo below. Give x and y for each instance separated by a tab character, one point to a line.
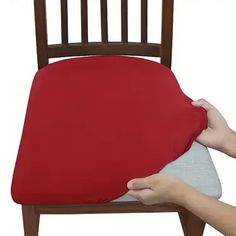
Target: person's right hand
159	188
218	135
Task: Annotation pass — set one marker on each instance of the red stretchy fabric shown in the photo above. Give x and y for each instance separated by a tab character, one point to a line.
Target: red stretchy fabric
94	123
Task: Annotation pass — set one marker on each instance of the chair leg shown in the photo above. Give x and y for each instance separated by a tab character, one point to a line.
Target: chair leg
30	220
191	224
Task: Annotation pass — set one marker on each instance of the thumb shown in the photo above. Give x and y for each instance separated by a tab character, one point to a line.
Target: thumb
139	183
203	103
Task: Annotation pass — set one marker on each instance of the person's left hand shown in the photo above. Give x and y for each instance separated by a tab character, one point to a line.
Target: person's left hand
158	188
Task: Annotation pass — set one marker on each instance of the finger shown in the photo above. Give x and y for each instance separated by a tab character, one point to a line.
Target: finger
139	183
133	193
136	194
203	103
143	195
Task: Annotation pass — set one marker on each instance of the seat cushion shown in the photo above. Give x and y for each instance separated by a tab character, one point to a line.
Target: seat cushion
94	123
196	168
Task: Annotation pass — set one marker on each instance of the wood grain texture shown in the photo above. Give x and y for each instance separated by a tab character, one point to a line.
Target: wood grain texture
111	207
64	21
41	32
124	21
167	32
45	51
104	26
84	21
111	48
30	220
144	22
191	224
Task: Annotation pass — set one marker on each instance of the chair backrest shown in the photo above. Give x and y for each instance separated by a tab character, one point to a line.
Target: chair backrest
66	49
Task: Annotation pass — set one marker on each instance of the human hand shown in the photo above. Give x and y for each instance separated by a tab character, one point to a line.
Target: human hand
158	188
218	135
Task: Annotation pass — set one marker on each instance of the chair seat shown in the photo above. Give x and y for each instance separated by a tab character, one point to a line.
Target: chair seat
94	123
194	167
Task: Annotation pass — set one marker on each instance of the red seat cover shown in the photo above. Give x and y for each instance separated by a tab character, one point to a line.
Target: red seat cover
94	123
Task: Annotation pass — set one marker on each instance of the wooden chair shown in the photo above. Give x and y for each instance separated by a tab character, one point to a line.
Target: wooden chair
191	224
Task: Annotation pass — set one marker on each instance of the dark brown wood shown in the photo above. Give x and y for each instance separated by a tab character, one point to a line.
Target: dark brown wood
45	51
41	32
30	220
144	21
64	21
191	224
124	21
111	207
167	32
104	27
111	48
84	21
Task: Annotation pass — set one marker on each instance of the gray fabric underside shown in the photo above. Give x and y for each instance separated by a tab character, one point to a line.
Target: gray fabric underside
194	167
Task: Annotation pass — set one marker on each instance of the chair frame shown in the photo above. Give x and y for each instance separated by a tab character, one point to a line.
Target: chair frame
191	224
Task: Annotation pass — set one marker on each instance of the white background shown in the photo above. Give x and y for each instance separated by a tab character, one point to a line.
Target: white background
204	57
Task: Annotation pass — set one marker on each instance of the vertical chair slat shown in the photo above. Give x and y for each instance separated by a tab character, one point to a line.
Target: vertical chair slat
167	32
84	21
104	21
144	21
64	21
124	21
41	32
